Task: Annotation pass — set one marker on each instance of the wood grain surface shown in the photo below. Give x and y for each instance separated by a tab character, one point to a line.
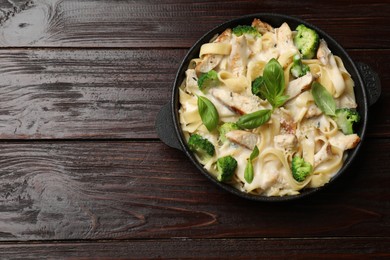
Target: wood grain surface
170	23
50	93
184	248
83	175
103	190
94	93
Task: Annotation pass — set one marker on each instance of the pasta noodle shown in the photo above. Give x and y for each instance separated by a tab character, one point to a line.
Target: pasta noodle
298	128
215	48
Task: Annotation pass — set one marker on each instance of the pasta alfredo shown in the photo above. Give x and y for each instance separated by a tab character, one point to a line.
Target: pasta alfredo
297	128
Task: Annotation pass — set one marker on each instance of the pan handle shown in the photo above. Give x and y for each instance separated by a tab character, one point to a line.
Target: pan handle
165	127
372	82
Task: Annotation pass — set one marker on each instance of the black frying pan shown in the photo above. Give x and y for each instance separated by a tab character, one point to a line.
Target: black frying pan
367	92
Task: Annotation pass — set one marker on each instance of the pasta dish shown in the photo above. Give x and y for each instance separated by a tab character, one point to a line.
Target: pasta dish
269	110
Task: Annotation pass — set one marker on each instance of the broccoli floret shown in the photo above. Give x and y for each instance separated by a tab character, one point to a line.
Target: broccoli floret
226	167
208	80
298	69
257	84
306	40
225	128
246	29
202	147
345	118
300	168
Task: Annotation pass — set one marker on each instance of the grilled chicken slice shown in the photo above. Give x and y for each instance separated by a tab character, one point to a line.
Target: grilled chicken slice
243	138
284	39
238	59
270	175
287	124
237	103
191	79
344	142
210	61
326	57
297	86
261	26
323	53
322	155
285	141
312	111
285	45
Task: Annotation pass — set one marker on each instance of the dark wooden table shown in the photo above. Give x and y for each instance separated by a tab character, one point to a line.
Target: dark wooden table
84	175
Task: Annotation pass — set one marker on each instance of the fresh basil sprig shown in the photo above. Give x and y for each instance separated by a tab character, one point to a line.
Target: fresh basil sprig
249	173
208	113
274	84
255	119
257	86
323	99
270	86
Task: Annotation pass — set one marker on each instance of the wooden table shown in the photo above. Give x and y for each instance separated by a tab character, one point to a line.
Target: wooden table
84	175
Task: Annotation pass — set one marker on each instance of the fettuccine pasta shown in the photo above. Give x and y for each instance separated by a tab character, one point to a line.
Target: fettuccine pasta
298	128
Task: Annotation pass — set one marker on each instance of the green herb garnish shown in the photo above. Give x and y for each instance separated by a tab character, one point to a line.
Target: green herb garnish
274	84
255	119
249	173
323	99
208	113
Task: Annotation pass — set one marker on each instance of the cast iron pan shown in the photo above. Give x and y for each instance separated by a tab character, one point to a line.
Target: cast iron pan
367	91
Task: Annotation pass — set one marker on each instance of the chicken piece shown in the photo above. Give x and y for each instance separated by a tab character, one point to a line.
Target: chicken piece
243	138
312	111
297	86
237	103
344	142
191	79
261	26
225	36
287	124
270	175
238	59
323	53
326	57
210	61
284	38
285	141
322	155
285	45
347	100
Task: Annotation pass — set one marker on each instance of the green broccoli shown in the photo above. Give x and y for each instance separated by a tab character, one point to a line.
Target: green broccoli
300	168
225	128
226	167
306	40
245	29
208	80
202	147
345	118
298	69
257	84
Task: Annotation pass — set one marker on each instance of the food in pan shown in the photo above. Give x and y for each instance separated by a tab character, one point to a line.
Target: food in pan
269	110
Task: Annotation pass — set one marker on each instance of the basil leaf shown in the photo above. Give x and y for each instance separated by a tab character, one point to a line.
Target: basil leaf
208	113
274	82
323	99
255	119
256	87
280	100
249	174
254	153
